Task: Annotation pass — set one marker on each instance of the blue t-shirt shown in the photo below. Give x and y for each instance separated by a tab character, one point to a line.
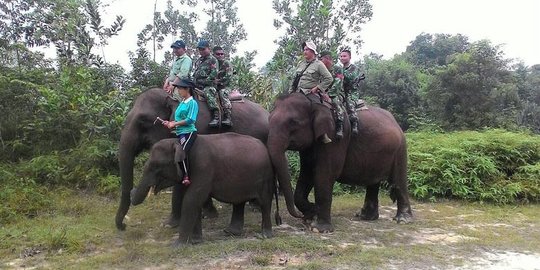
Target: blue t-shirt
186	110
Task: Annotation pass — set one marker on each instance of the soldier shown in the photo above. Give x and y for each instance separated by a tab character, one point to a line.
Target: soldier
311	75
223	81
351	79
335	90
180	69
205	75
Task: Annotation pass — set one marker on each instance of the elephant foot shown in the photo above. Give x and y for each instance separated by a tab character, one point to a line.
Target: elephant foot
172	222
267	234
233	231
321	227
121	226
180	243
197	239
404	217
365	214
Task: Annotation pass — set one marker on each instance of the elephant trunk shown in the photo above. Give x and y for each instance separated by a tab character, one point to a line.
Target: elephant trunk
279	161
127	152
138	194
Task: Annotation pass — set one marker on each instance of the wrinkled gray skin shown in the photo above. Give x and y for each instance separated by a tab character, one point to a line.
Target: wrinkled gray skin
377	153
140	133
229	167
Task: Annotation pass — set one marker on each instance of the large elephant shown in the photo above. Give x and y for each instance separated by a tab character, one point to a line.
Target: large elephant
141	131
379	152
229	167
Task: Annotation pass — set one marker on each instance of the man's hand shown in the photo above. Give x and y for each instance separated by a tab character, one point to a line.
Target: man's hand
169	124
315	90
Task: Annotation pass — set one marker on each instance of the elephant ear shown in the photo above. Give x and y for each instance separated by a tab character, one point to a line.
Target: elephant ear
323	123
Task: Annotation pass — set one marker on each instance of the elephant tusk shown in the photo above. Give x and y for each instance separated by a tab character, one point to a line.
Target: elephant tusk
150	192
325	139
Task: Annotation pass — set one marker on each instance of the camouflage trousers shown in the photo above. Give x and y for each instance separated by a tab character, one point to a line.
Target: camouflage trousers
350	103
338	108
212	98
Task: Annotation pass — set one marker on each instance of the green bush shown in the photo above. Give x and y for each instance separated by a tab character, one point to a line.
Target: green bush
493	165
20	196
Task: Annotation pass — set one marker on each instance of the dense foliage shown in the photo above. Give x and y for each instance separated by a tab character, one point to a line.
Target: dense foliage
491	165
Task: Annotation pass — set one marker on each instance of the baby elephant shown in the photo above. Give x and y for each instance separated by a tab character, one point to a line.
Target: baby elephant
229	167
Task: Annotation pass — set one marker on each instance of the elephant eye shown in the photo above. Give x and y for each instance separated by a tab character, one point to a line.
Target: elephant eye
293	122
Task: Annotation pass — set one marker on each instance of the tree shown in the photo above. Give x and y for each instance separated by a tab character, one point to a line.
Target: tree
429	50
70	25
474	90
394	85
528	87
328	23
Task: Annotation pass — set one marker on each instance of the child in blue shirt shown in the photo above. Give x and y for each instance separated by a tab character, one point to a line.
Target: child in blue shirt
184	121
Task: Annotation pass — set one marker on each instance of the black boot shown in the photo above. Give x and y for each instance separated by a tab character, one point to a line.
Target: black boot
215	119
226	121
354	127
339	130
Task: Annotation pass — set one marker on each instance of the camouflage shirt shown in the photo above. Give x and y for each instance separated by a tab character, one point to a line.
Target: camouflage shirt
206	71
225	73
337	84
351	80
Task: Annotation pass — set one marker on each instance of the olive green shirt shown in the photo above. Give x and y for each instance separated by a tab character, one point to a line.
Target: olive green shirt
315	75
181	68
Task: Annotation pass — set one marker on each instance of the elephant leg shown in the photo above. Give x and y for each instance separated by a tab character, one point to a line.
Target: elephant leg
209	210
236	226
176	209
370	210
197	231
266	212
191	214
323	199
404	211
304	186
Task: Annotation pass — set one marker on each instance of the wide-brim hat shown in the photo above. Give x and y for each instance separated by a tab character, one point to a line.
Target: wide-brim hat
185	83
310	45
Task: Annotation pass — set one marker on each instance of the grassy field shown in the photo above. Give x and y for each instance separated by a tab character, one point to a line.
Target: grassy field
78	232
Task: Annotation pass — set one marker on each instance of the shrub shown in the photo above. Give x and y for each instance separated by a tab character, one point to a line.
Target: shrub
493	165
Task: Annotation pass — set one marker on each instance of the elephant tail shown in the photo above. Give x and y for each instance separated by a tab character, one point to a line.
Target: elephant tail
398	177
276	214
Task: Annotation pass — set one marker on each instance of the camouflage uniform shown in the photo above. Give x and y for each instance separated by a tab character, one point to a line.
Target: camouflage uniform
351	93
335	91
224	78
205	74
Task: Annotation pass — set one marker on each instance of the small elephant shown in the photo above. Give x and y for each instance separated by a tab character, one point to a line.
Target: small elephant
229	167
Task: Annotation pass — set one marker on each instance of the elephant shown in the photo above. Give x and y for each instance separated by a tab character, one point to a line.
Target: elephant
229	167
303	123
140	132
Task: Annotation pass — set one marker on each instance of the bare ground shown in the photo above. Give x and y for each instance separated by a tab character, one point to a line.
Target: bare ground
444	235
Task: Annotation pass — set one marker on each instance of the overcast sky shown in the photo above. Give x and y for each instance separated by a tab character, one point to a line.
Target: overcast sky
395	23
